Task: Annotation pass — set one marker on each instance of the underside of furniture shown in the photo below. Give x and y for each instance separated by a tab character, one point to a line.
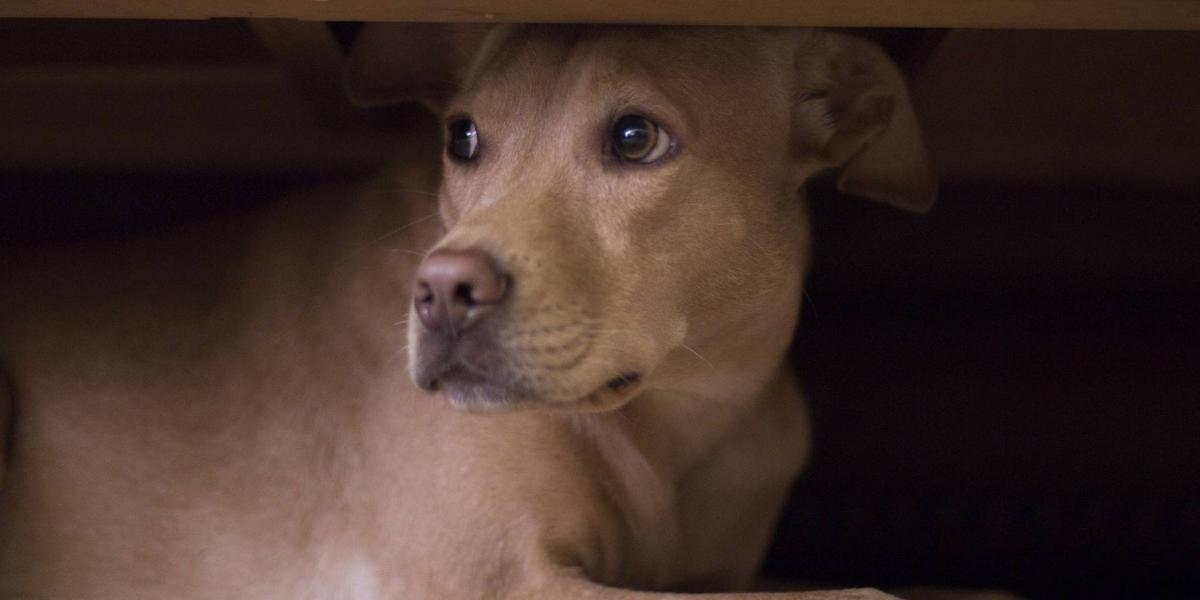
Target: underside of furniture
1061	14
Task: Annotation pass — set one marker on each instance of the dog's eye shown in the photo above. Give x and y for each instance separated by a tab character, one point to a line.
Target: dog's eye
638	139
464	140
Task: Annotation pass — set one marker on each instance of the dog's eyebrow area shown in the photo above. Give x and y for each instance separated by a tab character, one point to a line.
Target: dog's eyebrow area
624	96
558	72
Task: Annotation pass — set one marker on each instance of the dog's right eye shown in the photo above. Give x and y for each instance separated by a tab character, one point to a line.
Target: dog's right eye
464	140
637	139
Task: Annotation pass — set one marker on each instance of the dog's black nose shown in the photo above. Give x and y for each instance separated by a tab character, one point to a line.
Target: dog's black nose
455	289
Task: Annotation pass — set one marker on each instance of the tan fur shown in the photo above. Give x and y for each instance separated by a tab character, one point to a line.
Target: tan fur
225	412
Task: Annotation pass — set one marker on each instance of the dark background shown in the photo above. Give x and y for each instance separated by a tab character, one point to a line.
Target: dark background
1006	391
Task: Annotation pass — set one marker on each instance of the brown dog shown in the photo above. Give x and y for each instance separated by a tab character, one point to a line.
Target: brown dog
225	412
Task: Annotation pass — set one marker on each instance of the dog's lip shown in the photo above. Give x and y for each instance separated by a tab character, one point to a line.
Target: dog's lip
476	392
457	374
480	395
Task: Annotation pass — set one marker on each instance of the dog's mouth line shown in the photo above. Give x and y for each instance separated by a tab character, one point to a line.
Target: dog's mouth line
614	393
460	372
623	381
456	370
610	392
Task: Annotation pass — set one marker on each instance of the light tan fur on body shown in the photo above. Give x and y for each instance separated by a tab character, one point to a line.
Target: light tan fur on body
226	411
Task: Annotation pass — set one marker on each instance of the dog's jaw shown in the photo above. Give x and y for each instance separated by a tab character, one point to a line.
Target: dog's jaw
473	391
470	393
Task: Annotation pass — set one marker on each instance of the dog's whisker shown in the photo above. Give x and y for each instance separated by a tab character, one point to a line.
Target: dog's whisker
760	247
362	247
404	190
401	228
407	251
698	355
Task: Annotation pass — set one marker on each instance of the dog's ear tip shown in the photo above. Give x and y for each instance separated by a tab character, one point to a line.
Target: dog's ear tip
877	140
917	193
921	198
919	205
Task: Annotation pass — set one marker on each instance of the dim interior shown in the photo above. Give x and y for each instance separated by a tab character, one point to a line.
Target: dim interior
1004	390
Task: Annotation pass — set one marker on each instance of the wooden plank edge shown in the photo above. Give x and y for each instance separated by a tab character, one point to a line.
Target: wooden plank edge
1036	14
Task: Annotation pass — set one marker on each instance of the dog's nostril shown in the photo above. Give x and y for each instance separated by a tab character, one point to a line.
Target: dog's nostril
424	293
463	293
457	288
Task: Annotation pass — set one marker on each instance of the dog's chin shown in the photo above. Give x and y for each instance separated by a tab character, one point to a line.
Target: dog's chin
468	392
473	394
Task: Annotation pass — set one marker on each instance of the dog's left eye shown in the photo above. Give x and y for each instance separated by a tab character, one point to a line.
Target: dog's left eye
638	139
464	140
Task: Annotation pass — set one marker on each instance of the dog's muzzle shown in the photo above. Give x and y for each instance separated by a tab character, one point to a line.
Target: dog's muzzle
455	295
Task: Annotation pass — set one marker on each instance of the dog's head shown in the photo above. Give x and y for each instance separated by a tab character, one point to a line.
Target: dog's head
621	204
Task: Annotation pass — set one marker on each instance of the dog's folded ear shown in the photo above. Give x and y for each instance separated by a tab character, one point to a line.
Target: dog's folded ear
392	63
875	137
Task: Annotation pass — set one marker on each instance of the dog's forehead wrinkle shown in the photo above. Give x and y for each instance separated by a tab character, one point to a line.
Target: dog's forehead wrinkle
527	73
519	48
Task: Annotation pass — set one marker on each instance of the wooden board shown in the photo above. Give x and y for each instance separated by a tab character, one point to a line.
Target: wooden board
1056	14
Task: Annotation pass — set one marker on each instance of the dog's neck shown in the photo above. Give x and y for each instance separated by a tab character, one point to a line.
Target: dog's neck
657	447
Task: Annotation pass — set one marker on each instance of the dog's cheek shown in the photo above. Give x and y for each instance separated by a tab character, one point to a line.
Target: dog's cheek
447	212
458	193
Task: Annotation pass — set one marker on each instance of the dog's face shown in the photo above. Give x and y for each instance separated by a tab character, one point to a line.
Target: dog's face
621	210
